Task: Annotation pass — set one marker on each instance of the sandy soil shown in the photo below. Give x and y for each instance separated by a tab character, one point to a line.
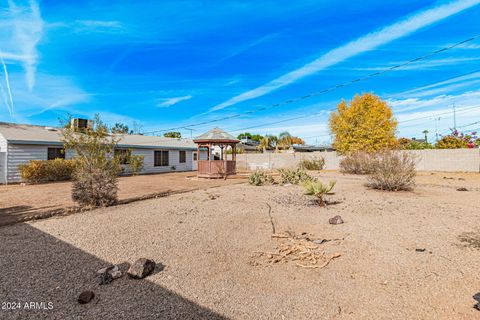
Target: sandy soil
20	202
211	270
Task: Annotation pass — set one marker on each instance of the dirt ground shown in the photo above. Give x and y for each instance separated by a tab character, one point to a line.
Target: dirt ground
404	255
20	202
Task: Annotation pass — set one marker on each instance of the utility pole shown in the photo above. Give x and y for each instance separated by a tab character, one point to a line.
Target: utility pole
436	128
191	130
454	117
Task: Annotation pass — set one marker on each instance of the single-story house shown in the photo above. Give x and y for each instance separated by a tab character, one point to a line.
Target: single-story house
20	143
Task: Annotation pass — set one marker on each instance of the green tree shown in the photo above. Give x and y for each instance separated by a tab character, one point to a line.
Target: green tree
409	144
425	132
172	134
267	142
120	128
254	137
366	123
95	181
245	135
286	140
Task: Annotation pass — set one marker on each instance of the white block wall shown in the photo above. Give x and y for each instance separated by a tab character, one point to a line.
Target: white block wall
449	160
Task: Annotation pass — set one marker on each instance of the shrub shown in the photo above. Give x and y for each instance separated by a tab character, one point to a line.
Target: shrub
96	186
41	171
312	164
136	164
393	171
457	140
259	177
412	144
318	189
95	176
358	163
294	176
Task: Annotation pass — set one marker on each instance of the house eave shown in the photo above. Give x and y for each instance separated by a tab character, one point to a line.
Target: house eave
128	146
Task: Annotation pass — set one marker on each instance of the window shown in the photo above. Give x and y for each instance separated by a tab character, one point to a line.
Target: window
194	156
123	155
160	159
55	153
183	156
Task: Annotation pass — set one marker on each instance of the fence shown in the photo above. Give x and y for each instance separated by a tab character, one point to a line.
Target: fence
453	160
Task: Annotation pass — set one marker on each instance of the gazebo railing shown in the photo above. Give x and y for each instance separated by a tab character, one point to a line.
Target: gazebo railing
216	167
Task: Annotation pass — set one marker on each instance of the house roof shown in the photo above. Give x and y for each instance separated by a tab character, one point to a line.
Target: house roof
31	134
216	135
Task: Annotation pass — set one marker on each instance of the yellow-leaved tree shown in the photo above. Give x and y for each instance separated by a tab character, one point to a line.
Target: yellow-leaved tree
364	124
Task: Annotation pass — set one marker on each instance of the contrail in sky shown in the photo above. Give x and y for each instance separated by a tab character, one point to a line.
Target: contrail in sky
7	82
397	30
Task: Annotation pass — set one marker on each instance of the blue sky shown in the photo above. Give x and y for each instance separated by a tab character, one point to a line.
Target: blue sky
167	64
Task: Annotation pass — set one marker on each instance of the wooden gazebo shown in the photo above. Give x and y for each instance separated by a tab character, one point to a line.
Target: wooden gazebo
216	165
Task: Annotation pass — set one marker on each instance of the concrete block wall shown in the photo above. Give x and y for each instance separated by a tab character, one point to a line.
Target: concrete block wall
451	160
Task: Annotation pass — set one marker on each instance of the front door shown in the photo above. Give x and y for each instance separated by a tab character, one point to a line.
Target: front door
194	161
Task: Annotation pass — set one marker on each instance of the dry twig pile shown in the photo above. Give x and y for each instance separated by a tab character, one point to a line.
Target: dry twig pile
302	251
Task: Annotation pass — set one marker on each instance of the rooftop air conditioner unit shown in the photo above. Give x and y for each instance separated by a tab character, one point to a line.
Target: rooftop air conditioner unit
81	124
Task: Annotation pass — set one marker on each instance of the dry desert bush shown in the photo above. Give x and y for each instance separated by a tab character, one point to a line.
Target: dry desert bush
392	171
316	163
358	163
294	176
259	178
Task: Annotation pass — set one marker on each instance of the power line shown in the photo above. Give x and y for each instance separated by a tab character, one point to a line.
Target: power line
421	118
333	88
330	110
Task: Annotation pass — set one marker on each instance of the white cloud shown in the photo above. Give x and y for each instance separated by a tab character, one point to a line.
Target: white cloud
441	87
409	104
50	93
20	35
250	45
168	102
362	44
98	25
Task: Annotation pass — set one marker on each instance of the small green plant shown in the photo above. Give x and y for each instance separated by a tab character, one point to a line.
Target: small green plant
136	164
259	178
41	171
294	176
312	164
318	189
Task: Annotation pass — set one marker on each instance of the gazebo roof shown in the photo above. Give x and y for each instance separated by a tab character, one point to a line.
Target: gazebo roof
216	135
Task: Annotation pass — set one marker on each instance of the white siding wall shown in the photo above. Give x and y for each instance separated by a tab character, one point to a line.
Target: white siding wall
18	154
22	153
173	160
3	160
3	144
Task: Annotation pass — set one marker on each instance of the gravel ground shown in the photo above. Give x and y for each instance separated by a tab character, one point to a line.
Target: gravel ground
20	202
211	271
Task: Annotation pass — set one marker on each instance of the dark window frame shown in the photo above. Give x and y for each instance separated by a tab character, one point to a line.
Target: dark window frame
55	153
123	155
182	156
160	158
